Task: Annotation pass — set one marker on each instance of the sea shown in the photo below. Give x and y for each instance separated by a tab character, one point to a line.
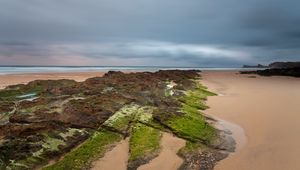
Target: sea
52	69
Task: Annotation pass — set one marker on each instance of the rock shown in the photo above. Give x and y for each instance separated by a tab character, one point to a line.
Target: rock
282	65
83	107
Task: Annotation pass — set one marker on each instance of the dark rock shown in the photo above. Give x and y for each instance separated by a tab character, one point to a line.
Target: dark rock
285	65
293	72
255	66
64	104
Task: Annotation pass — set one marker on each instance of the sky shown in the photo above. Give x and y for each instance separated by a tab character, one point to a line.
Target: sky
204	33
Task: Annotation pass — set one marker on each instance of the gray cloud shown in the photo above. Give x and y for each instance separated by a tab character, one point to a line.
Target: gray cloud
135	32
154	52
275	25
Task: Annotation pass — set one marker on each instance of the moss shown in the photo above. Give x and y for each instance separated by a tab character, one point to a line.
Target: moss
144	141
103	97
71	132
191	147
195	98
129	113
28	163
192	125
81	157
121	118
11	94
144	114
52	144
13	165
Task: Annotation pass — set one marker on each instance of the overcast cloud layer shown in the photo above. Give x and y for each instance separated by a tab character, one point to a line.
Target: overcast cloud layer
149	32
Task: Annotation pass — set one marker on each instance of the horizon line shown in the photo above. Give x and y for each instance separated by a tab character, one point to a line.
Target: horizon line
120	66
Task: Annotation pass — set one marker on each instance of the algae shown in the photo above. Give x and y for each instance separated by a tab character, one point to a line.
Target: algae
144	141
139	105
81	157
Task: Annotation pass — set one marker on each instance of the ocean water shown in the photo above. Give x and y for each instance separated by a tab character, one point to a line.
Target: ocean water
47	69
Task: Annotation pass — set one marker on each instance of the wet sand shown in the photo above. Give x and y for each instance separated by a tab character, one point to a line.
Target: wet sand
116	158
268	109
167	158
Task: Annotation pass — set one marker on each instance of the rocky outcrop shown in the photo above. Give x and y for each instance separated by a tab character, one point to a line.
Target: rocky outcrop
255	66
46	118
278	69
282	65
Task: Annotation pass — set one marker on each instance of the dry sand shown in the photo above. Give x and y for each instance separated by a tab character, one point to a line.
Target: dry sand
167	158
116	158
268	109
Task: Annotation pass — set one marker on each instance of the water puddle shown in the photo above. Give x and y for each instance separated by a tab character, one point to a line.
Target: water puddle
28	97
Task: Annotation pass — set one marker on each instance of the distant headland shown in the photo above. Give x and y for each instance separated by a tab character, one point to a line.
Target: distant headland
255	66
277	69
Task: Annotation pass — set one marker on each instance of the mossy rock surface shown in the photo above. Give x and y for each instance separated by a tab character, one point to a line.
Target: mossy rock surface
81	157
46	120
144	145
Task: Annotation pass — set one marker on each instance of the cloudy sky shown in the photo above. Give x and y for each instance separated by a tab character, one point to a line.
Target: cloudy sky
149	32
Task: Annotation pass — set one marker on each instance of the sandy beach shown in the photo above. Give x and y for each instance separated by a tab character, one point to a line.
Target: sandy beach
267	108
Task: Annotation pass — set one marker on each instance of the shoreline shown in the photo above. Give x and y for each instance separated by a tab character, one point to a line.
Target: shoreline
13	70
231	128
23	78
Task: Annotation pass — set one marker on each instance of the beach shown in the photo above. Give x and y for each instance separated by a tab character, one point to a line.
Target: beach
265	108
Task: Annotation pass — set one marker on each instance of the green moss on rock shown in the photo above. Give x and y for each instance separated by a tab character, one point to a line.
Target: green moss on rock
129	113
144	141
81	157
192	125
